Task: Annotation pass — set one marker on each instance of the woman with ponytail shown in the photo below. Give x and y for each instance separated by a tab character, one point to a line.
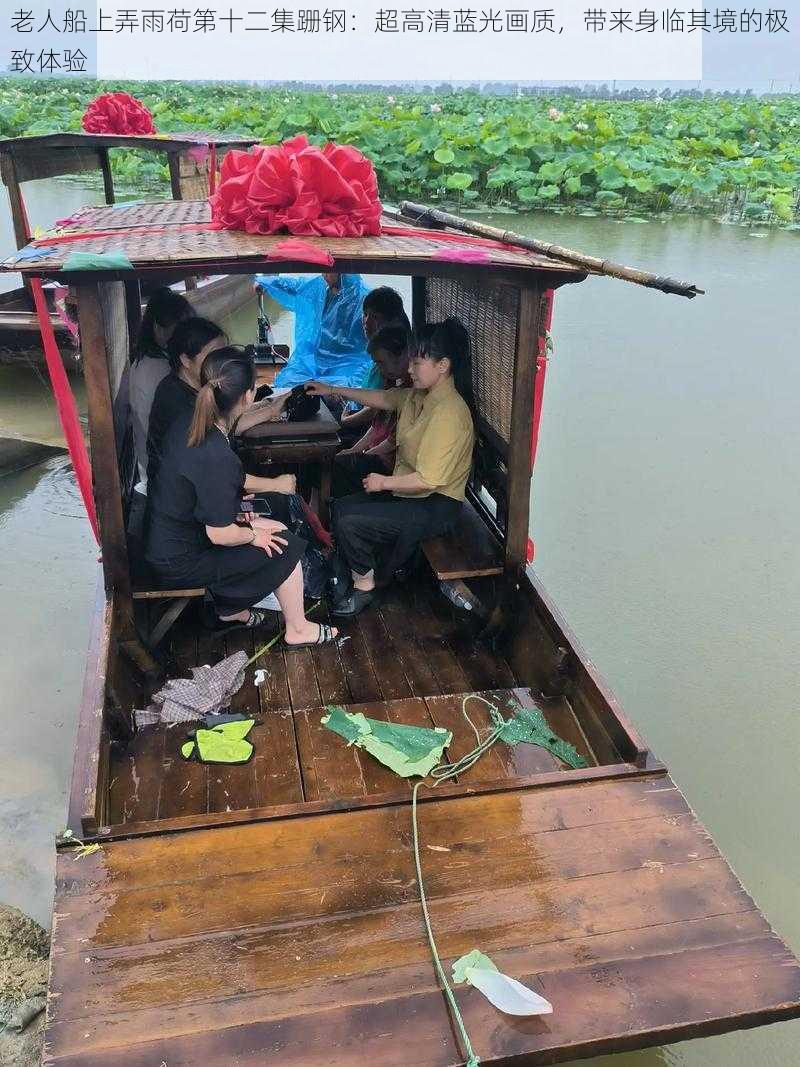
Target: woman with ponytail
424	494
197	535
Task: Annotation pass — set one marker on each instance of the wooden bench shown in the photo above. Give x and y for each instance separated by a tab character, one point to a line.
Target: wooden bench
469	551
179	601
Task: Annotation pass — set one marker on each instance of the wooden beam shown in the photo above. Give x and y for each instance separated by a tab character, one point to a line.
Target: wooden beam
519	451
108	180
83	796
107	490
35	163
174	160
8	171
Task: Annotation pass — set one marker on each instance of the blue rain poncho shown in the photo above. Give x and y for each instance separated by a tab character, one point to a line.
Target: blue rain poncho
329	340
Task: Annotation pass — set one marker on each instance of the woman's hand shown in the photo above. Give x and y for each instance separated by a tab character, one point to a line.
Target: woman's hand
261	522
319	389
269	539
285	483
375	483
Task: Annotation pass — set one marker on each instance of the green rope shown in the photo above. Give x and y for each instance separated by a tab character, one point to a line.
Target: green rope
530	728
442	773
275	639
472	1059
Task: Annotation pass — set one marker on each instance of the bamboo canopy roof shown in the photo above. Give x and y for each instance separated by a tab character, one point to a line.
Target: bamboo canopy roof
176	237
166	142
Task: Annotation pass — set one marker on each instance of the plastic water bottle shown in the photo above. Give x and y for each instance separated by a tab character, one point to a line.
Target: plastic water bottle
459	595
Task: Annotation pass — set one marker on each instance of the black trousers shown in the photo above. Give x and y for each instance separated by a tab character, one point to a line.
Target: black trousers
349	472
379	531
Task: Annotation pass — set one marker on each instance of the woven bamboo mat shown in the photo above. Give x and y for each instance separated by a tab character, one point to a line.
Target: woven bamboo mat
172	245
125	217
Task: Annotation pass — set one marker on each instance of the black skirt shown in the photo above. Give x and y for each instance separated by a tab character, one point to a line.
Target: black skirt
237	577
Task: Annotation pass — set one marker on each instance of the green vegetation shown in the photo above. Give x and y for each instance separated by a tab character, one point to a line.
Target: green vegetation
736	157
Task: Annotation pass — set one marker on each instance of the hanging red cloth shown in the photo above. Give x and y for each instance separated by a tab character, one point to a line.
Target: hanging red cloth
538	388
65	403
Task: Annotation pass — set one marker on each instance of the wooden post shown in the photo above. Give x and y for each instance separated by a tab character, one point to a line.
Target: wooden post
176	184
108	180
107	490
174	160
519	449
8	171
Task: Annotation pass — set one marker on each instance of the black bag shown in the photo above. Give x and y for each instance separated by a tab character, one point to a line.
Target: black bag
316	569
301	406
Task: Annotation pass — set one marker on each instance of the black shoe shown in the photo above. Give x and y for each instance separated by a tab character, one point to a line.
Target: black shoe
354	603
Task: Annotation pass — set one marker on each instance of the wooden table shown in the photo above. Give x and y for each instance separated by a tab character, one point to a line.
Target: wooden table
294	444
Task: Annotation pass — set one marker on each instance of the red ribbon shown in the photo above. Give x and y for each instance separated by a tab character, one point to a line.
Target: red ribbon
134	231
65	404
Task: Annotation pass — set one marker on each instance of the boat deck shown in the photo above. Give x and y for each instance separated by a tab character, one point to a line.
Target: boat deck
406	659
299	942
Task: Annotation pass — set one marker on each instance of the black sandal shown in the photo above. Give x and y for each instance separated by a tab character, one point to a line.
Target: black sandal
354	603
256	618
324	637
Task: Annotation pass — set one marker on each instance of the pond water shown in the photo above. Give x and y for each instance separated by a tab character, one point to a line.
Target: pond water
665	515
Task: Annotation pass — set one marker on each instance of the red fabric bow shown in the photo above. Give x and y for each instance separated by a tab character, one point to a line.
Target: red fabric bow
117	113
298	188
301	252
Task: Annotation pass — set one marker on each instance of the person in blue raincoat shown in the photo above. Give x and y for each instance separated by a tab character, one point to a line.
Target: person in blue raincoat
329	340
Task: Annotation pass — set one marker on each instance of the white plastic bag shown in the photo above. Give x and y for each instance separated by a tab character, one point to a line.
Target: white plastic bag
505	993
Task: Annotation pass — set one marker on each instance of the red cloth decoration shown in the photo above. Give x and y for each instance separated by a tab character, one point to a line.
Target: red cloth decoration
298	188
301	252
118	113
65	403
313	521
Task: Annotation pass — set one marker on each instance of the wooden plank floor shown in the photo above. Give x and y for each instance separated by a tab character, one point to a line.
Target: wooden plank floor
406	659
300	943
298	759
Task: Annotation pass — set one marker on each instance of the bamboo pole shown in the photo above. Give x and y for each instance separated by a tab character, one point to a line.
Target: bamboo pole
421	214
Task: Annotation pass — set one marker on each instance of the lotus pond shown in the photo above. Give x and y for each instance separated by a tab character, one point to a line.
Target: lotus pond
735	157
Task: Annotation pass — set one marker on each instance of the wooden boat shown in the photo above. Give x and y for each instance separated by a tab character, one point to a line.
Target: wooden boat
269	913
24	159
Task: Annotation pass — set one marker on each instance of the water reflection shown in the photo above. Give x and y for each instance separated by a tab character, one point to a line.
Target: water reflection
47	582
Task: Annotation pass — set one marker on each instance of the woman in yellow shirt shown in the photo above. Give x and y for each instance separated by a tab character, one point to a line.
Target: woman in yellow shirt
423	496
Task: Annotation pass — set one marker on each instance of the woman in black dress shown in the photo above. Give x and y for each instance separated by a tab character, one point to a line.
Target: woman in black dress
197	534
